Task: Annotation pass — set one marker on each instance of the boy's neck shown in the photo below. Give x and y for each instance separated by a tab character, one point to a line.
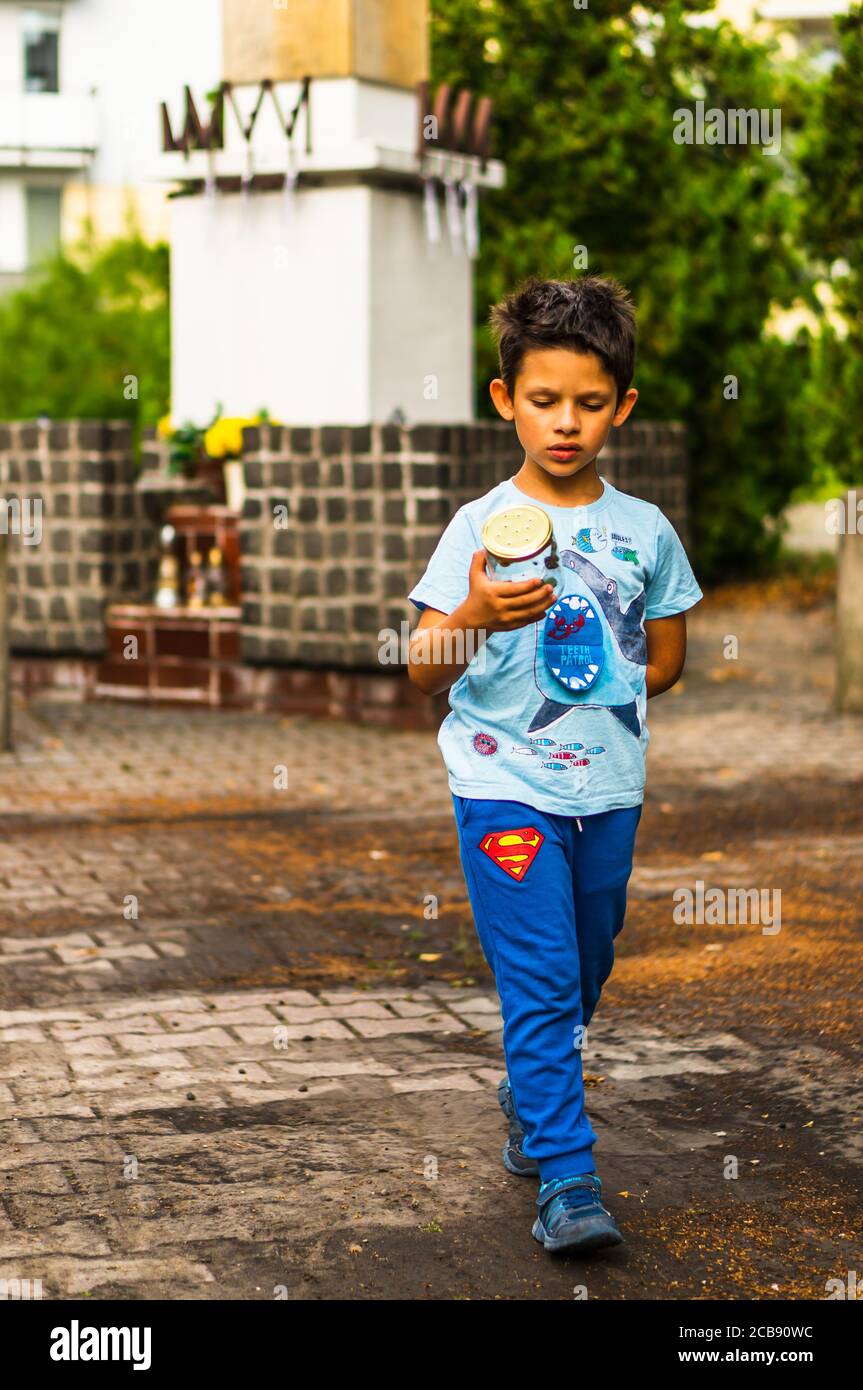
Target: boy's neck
584	487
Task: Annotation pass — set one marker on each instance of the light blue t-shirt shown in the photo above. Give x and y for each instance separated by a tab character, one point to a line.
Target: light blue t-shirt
553	714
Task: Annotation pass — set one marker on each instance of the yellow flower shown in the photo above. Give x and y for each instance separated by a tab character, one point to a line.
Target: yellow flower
164	428
224	439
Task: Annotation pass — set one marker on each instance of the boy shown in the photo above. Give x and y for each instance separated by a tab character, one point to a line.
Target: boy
546	771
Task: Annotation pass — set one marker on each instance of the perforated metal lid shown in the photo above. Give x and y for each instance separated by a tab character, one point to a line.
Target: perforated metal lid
517	533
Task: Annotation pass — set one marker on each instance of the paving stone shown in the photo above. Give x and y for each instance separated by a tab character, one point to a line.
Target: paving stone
46	1105
365	1067
407	1008
220	1018
435	1023
22	1034
311	1092
70	1238
476	1004
77	940
158	1100
259	996
141	1023
484	1023
326	1028
452	1081
352	996
68	1278
156	1005
89	1047
153	1061
138	952
364	1009
203	1037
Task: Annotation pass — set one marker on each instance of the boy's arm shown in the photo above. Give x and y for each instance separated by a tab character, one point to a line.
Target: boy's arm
443	645
427	666
666	652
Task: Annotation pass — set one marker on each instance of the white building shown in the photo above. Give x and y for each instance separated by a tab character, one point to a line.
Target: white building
798	24
80	86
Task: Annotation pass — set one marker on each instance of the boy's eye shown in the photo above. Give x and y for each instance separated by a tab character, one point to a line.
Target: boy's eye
542	405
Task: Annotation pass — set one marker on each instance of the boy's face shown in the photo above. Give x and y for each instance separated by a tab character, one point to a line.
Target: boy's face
564	406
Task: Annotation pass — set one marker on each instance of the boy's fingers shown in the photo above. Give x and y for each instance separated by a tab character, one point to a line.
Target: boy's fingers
531	599
477	562
519	587
528	609
522	586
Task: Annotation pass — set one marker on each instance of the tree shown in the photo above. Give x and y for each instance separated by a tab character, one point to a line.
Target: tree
831	158
704	235
90	336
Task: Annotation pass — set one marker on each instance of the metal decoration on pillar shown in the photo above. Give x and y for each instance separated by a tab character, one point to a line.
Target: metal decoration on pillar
431	210
452	123
453	207
292	177
195	135
249	175
471	219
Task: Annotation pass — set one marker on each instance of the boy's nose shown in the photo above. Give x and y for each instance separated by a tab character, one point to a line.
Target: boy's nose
569	422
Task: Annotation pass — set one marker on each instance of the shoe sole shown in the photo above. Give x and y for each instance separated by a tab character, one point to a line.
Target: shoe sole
504	1100
531	1167
583	1243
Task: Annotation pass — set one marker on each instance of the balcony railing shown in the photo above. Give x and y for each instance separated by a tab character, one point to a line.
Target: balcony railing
47	130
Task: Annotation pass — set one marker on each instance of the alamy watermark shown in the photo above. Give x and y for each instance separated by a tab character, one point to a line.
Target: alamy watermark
721	906
736	126
21	517
843	516
432	645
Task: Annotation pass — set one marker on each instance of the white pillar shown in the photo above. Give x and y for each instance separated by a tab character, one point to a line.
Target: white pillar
849	621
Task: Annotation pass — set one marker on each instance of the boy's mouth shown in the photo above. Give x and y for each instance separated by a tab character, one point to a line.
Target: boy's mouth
564	452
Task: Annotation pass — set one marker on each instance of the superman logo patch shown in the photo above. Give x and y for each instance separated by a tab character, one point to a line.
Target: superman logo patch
513	850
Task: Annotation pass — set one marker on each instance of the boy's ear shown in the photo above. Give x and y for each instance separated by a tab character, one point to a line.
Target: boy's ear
625	407
501	397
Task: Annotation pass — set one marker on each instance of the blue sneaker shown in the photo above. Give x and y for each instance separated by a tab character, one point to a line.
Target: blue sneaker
572	1217
514	1160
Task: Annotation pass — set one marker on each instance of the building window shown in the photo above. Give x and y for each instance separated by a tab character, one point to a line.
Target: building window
40	33
43	223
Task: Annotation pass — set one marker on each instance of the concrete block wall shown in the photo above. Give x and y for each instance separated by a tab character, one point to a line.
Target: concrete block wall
99	538
365	509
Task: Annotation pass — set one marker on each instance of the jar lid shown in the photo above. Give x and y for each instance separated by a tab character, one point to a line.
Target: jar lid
517	533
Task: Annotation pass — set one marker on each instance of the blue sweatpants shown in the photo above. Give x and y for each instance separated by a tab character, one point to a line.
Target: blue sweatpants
548	894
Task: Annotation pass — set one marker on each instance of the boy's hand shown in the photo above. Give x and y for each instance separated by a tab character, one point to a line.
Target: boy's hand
500	605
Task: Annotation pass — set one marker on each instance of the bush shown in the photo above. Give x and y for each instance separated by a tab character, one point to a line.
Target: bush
89	338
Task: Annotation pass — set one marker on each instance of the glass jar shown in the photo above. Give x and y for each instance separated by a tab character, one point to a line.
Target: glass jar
519	543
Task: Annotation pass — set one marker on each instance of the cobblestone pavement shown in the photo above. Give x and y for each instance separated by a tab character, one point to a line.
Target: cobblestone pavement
729	723
236	1056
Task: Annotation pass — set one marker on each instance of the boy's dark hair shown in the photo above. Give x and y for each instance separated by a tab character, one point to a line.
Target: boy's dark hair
593	313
